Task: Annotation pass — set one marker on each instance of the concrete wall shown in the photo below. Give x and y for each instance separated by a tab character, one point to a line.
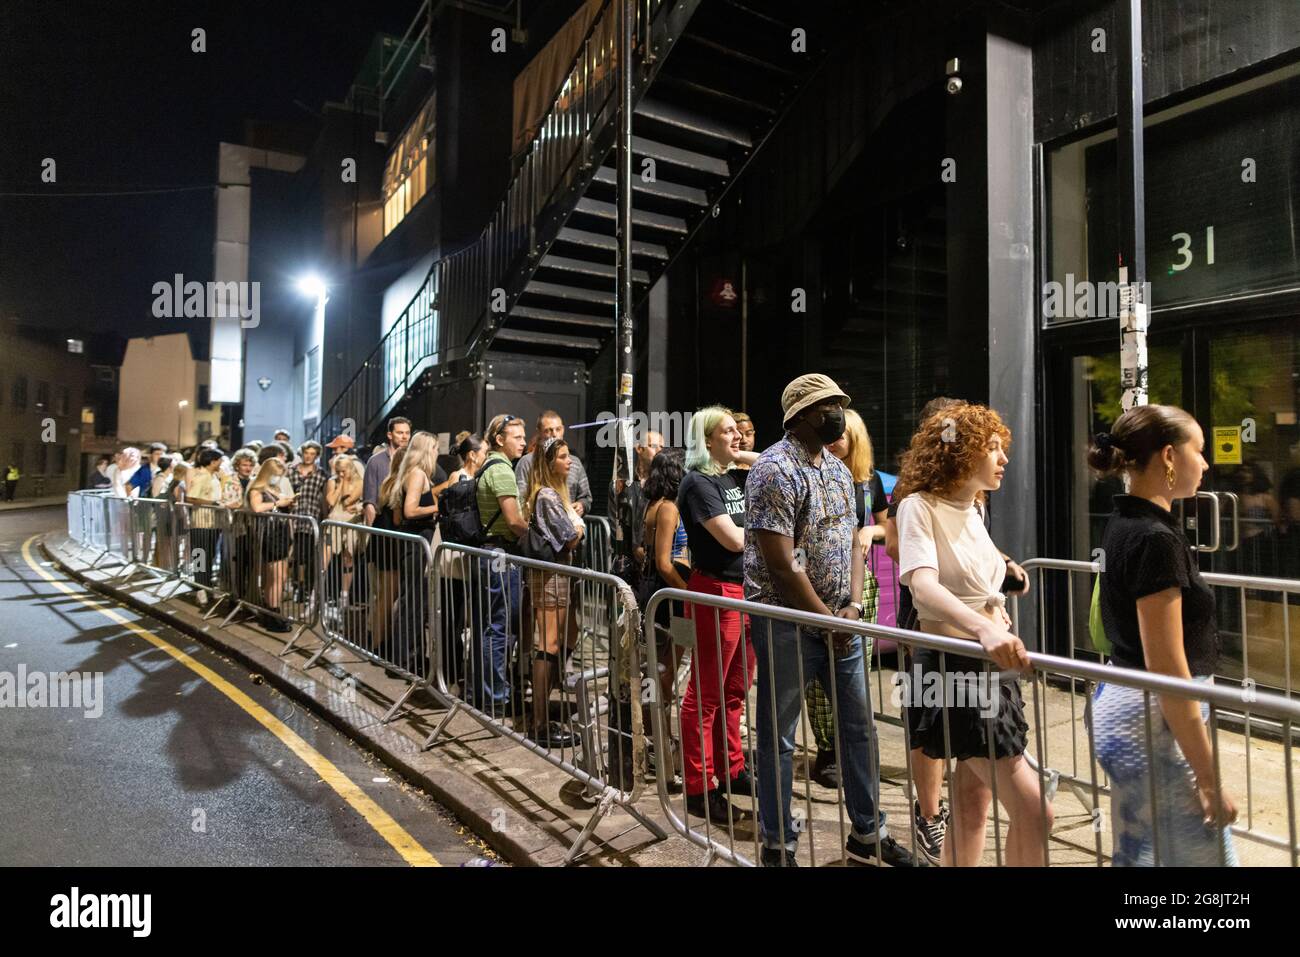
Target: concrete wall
157	374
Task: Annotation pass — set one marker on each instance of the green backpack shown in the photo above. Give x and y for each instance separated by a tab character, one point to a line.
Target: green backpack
1096	631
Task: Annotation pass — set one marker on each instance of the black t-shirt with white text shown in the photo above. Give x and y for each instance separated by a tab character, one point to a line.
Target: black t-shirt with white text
701	498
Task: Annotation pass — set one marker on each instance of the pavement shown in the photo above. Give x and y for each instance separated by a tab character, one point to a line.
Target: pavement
530	812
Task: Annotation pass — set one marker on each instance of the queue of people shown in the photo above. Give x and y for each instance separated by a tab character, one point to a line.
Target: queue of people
792	527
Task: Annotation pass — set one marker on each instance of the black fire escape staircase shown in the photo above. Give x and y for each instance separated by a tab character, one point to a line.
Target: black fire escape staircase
711	81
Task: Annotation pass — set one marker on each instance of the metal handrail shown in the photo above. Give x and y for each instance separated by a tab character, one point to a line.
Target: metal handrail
1262	704
455	297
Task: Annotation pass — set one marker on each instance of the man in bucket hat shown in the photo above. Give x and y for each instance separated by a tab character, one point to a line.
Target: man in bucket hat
800	554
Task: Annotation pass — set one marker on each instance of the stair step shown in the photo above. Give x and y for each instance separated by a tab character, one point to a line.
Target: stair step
692	87
640	217
739	56
657	187
547	339
752	10
588	268
557	315
582	237
674	154
577	293
692	122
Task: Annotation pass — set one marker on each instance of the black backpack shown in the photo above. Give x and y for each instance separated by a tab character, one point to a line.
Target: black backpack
458	514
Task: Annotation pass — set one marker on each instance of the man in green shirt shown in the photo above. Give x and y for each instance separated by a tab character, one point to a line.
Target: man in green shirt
500	509
12	475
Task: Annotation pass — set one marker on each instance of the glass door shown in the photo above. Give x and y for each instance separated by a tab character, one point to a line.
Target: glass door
1241	381
1246	383
1084	399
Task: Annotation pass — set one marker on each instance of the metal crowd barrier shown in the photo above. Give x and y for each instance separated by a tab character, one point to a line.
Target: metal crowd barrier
817	817
153	546
596	551
86	525
376	598
486	653
256	570
203	552
1233	673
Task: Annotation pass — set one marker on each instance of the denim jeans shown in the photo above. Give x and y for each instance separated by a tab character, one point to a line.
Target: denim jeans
777	646
496	639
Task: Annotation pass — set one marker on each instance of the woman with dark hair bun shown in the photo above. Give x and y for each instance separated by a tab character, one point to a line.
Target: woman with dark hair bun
1158	614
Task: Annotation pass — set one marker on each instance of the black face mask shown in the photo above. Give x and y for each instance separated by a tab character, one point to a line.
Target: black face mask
832	426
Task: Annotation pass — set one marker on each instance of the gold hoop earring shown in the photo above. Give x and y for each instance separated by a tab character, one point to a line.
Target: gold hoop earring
1169	477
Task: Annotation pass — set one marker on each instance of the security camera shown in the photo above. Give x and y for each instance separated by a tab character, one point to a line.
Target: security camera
954	84
953	69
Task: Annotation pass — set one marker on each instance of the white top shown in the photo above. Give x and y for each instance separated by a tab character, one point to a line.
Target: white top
950	538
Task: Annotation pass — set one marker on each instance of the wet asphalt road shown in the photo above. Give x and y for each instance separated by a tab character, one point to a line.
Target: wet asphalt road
173	772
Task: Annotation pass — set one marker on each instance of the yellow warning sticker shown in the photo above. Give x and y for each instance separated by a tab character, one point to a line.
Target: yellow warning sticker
1227	445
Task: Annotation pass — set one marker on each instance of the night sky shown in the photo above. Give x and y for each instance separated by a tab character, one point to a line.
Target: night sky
114	94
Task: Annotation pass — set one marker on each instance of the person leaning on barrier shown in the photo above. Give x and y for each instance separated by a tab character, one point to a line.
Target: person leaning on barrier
956	574
801	552
272	539
552	516
1159	616
498	505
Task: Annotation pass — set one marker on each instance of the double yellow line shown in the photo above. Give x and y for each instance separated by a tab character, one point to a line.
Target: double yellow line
375	816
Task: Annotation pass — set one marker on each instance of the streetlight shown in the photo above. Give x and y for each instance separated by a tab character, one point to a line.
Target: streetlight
180	408
313	287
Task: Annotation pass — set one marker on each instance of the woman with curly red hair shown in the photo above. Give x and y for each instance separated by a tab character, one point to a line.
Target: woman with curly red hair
955	575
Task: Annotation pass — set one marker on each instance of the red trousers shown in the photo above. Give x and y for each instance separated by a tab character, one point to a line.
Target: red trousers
717	684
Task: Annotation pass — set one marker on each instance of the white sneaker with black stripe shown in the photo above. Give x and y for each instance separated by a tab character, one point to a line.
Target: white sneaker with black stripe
930	832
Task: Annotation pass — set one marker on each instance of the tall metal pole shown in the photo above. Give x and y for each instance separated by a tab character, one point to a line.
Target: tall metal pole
1134	304
623	310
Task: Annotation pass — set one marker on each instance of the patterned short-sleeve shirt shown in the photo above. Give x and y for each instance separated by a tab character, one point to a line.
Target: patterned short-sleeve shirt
812	504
